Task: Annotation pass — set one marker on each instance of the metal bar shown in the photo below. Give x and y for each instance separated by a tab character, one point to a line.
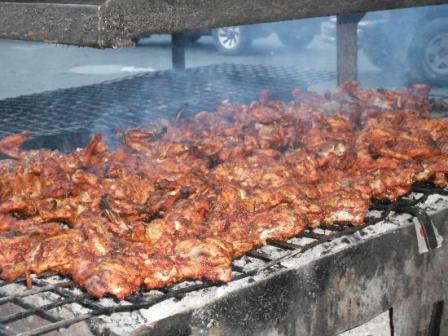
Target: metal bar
54	326
59	289
174	293
34	291
429	190
318	284
391	321
259	255
86	302
333	227
347	47
178	51
238	269
436	319
284	245
116	309
194	287
42	314
426	224
314	235
20	315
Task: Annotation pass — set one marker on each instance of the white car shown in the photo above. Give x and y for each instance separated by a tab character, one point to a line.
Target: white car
411	41
235	40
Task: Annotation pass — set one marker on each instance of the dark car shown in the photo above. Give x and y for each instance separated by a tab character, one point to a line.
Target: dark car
235	40
413	41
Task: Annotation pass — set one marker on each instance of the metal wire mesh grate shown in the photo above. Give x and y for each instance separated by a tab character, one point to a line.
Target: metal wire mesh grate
65	292
126	103
129	102
66	295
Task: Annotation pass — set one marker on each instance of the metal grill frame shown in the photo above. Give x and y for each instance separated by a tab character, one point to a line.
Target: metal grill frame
40	285
273	268
138	301
64	119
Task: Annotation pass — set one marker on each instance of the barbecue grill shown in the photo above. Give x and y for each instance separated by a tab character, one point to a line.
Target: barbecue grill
315	284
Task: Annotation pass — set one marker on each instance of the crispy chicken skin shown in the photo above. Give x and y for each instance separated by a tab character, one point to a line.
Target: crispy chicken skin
181	199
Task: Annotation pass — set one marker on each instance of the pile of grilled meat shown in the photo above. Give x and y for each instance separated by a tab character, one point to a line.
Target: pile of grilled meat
180	199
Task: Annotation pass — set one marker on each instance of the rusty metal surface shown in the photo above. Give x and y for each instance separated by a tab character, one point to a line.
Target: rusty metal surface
115	23
334	285
330	295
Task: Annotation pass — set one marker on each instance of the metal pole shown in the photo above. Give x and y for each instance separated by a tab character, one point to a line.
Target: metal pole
178	51
347	47
436	319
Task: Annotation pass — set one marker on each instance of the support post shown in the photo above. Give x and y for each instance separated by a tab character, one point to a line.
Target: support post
178	51
436	322
413	317
347	46
444	320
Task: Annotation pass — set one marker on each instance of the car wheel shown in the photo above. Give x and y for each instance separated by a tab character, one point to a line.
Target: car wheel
231	40
297	40
428	55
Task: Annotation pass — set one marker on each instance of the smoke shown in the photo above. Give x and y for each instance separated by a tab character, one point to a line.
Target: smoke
139	100
394	44
278	56
239	76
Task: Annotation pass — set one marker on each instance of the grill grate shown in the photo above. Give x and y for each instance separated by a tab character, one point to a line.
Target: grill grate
67	293
65	118
71	115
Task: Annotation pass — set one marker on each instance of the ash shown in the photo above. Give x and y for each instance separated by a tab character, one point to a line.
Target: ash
128	322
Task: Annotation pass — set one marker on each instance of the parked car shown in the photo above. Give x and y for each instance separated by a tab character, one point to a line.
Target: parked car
235	40
413	41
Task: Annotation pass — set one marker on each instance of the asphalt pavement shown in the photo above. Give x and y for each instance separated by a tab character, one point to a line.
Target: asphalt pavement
31	67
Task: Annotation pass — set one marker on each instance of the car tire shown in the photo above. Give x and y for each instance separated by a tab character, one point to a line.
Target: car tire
296	41
231	40
192	38
427	57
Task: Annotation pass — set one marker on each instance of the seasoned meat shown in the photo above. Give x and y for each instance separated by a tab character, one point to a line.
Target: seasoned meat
181	199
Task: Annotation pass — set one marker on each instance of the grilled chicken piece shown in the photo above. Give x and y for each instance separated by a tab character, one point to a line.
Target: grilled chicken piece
116	275
18	243
55	253
210	258
180	199
278	223
11	144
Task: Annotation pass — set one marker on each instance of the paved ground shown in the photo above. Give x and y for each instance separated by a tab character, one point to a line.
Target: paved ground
29	67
